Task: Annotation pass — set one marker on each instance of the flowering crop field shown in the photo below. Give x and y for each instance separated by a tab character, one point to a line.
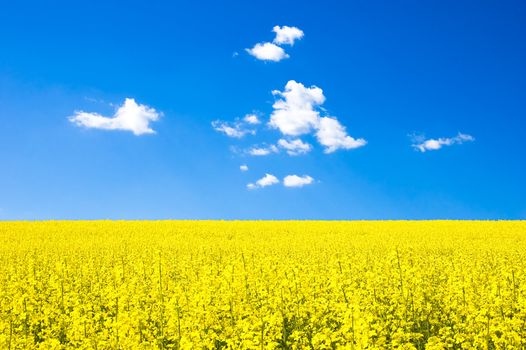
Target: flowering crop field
263	285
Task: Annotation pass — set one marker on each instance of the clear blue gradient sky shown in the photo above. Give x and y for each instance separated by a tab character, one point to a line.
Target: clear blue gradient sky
387	69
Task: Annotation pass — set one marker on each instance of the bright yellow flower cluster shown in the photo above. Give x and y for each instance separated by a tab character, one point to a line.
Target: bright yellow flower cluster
263	285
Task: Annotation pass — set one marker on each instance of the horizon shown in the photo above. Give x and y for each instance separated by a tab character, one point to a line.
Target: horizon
262	220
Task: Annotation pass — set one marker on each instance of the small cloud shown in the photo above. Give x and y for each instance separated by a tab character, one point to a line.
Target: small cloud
295	147
287	35
267	52
243	167
235	54
423	145
252	119
333	136
297	181
131	116
267	180
262	151
231	130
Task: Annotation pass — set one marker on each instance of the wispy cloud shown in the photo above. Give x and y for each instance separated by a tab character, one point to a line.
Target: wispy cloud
295	147
243	167
423	145
265	181
235	129
262	150
239	127
130	116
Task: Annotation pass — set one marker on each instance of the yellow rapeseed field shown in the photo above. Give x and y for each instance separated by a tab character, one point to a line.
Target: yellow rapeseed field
263	285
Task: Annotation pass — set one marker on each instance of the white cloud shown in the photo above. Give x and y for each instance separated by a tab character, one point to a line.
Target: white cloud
251	119
129	117
263	151
333	136
295	147
294	113
232	130
268	52
267	180
243	167
287	35
423	145
297	181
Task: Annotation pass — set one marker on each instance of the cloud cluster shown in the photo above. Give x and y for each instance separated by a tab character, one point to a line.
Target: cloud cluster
267	51
297	113
130	116
423	145
288	181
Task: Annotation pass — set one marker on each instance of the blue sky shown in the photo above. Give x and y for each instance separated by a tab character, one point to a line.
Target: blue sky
404	110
